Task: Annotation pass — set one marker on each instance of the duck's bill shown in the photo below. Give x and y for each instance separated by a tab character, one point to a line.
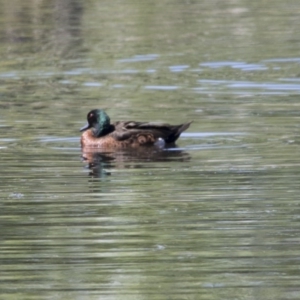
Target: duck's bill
85	127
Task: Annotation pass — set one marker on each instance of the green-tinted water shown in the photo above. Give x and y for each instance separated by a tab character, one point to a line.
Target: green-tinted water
215	218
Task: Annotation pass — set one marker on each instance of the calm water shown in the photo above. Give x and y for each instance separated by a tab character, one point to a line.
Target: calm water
215	218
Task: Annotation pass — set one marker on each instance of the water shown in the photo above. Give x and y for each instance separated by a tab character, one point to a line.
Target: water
215	217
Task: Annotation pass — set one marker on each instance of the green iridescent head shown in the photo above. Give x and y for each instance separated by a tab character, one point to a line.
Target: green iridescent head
99	121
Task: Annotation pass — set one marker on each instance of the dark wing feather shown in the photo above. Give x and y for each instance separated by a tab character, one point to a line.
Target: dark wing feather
170	133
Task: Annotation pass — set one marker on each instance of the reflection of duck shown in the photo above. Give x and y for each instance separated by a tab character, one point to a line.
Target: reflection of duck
123	134
99	161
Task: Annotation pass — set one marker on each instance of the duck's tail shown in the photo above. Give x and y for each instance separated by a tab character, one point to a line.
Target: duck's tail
178	129
184	127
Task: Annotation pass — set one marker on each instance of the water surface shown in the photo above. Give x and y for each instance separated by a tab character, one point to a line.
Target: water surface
215	217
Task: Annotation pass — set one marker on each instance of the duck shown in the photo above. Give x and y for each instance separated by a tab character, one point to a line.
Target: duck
99	132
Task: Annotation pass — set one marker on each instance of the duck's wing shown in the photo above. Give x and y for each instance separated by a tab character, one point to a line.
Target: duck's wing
151	130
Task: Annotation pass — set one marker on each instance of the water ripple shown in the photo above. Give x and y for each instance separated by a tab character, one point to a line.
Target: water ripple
270	86
283	60
139	58
235	65
161	87
179	68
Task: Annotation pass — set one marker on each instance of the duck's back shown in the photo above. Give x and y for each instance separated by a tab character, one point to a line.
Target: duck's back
147	132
